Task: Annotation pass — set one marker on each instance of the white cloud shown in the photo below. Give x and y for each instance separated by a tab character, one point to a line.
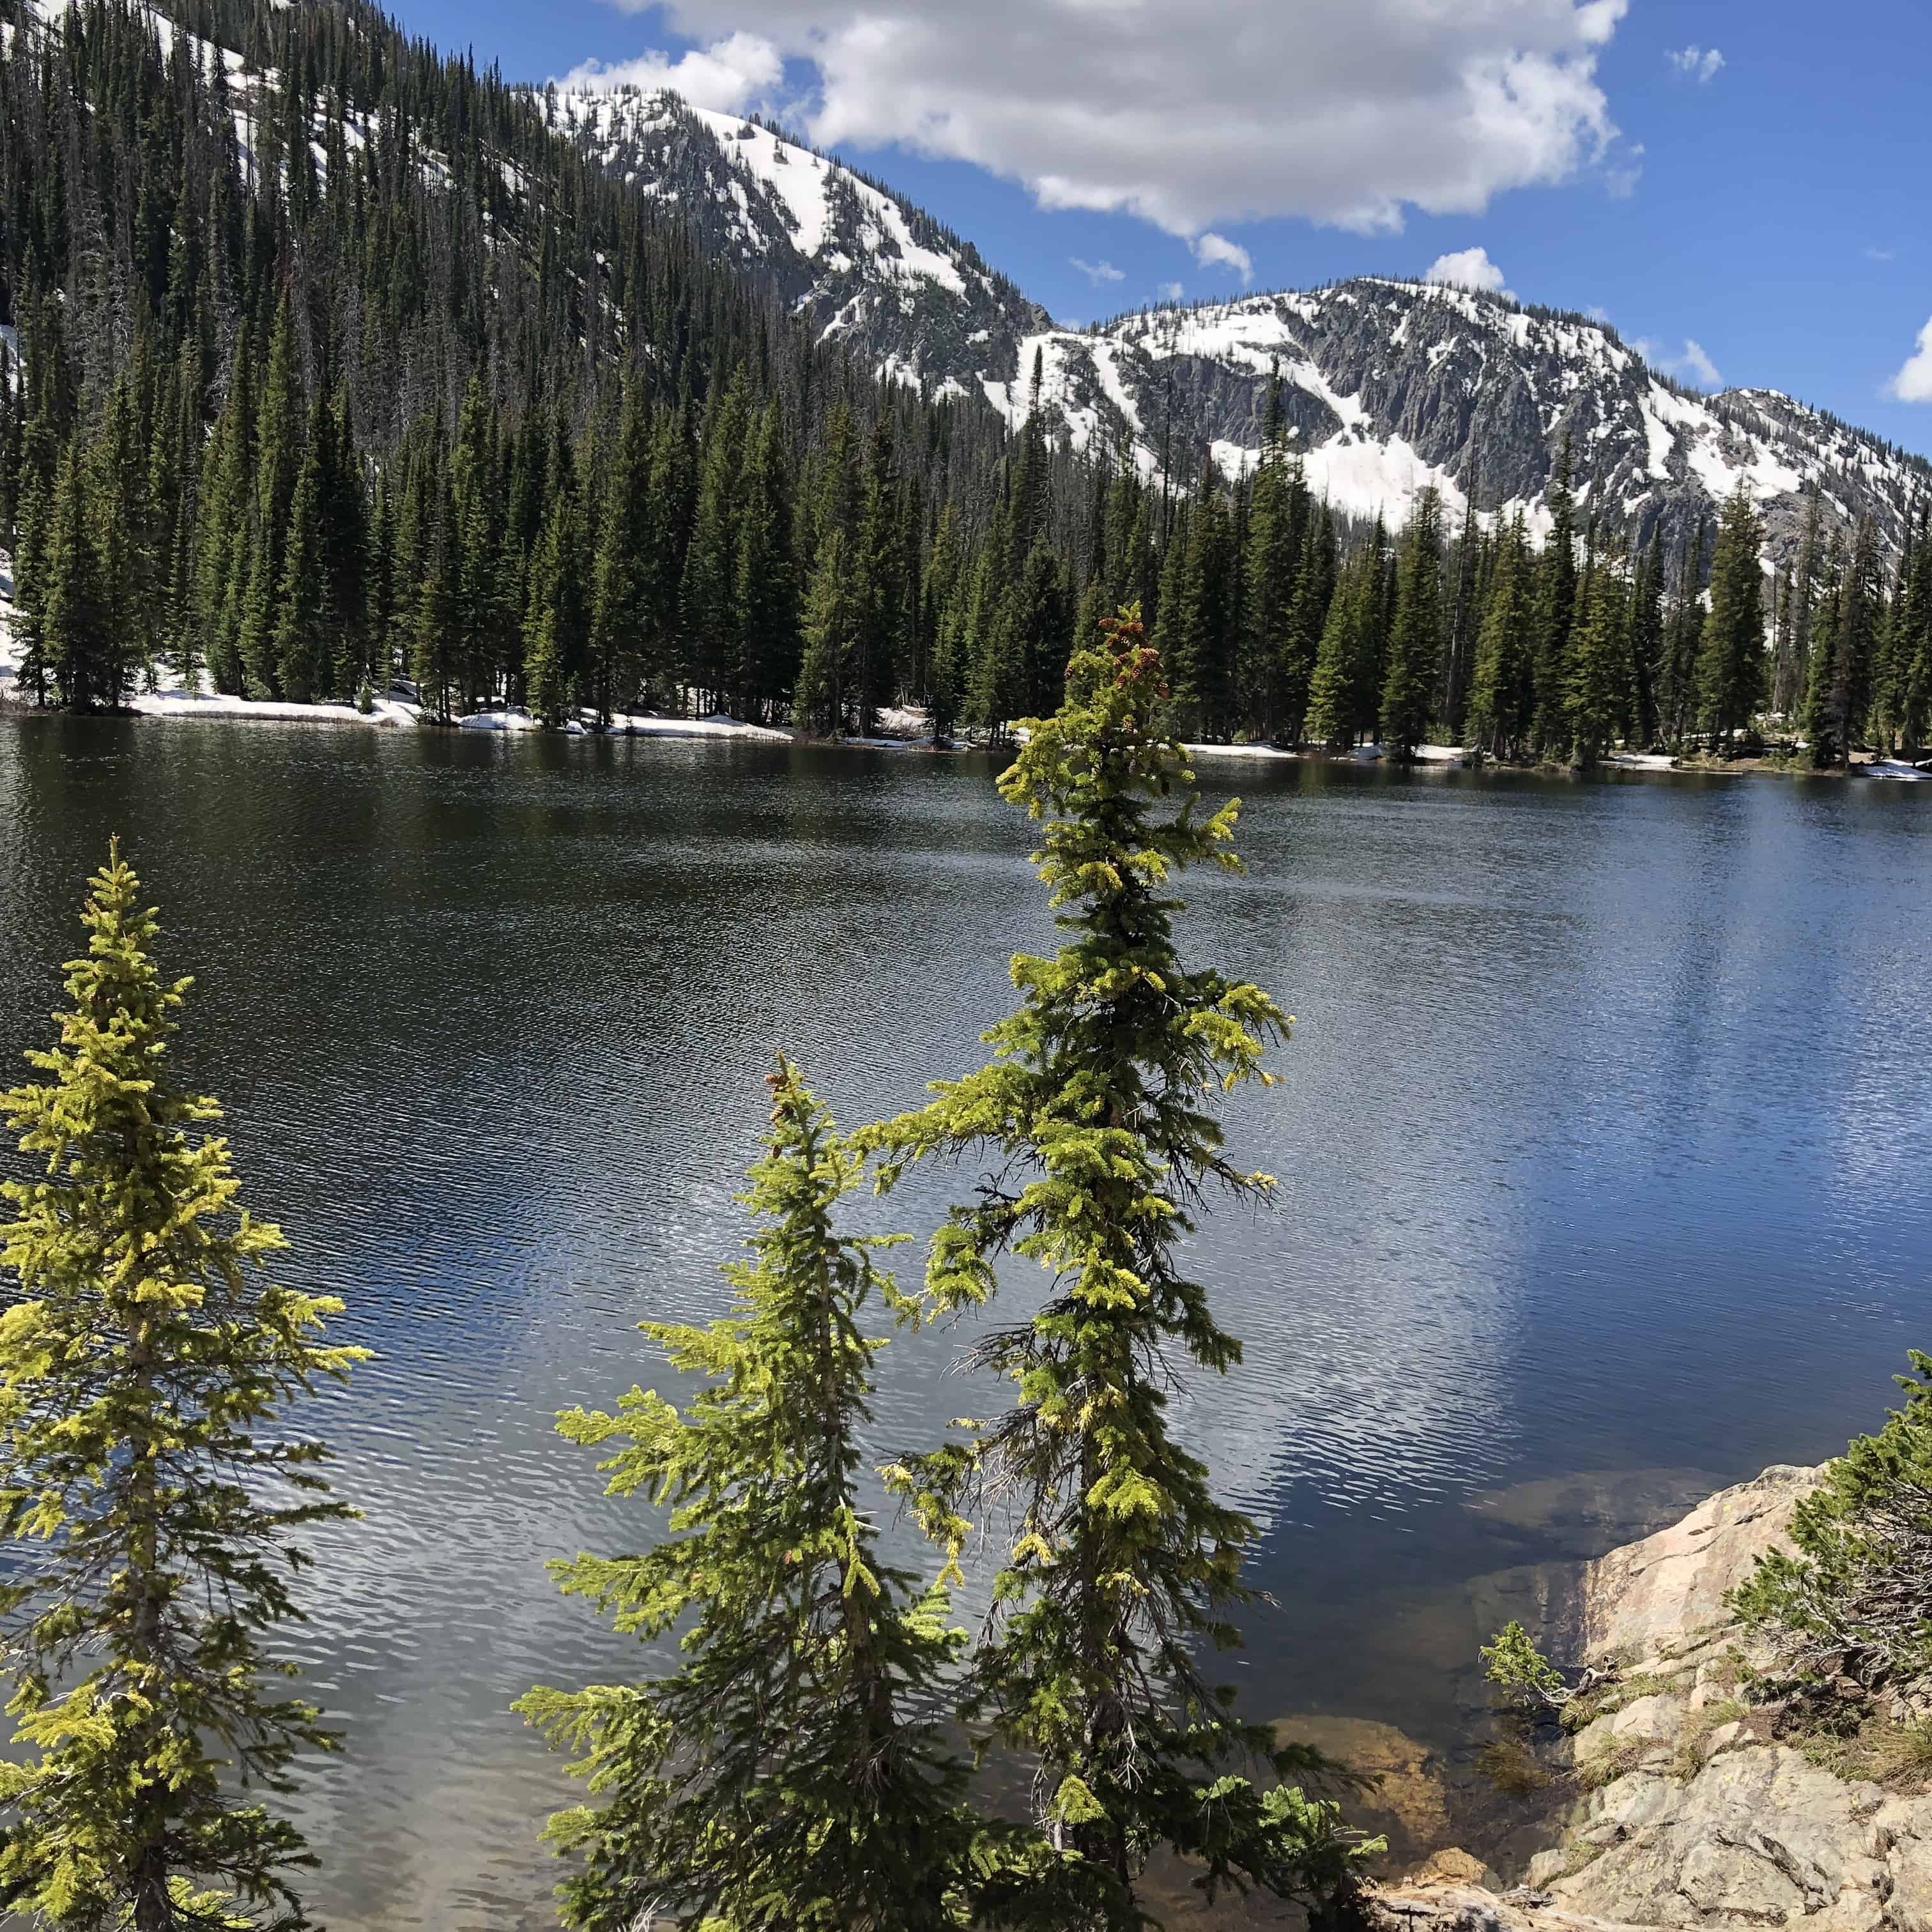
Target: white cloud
1468	268
1623	172
1198	114
1691	365
1597	313
1875	254
1216	251
731	76
1171	292
1913	383
1097	272
1699	366
1701	65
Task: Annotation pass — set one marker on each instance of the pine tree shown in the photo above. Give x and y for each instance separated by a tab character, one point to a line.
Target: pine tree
556	623
1788	694
1178	602
946	686
114	480
1646	640
346	560
1555	613
479	610
880	640
791	1774
1500	692
1915	641
946	681
1314	588
1198	618
1277	521
1601	696
766	659
72	630
278	455
1124	1566
154	1497
1349	650
10	445
831	628
305	622
1037	619
173	495
1415	639
1731	655
225	507
996	683
673	505
1852	1594
1677	701
710	605
431	612
619	619
1842	651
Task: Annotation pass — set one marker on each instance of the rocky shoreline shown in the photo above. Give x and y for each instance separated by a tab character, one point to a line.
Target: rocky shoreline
1679	1805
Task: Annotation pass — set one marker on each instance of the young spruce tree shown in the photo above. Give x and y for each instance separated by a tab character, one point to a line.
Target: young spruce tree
1731	658
790	1775
1092	1117
1853	1595
149	1486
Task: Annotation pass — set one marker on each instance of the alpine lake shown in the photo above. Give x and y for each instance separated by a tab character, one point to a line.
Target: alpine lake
1604	1148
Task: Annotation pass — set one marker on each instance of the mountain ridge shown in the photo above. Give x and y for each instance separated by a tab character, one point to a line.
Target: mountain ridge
861	262
1388	385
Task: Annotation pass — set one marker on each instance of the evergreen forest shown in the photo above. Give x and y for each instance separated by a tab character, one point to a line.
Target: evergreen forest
333	369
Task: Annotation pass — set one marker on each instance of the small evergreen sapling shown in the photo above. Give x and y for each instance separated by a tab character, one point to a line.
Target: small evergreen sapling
1092	1117
1531	1684
1853	1595
791	1773
156	1499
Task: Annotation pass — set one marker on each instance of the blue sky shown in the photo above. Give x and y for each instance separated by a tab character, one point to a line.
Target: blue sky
1742	184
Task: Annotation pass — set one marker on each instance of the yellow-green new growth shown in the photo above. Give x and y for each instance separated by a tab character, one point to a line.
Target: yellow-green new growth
145	1364
790	1773
1093	1127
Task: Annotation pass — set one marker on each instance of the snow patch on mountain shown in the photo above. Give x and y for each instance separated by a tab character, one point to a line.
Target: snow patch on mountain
804	182
1386	388
1367	478
862	264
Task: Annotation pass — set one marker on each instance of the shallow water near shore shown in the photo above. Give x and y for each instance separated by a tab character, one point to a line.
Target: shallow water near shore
1603	1151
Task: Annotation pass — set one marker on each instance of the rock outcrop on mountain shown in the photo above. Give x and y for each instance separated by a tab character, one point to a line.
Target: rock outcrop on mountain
1697	1813
1385	387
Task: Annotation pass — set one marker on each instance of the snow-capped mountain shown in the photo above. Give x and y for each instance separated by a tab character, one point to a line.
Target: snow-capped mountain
866	266
1388	386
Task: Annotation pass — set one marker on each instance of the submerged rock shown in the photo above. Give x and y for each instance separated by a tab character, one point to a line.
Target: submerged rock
1409	1805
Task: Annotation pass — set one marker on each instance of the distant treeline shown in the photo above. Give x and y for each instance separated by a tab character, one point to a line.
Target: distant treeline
349	368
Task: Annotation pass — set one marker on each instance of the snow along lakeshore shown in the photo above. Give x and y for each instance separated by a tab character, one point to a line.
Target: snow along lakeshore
398	708
630	724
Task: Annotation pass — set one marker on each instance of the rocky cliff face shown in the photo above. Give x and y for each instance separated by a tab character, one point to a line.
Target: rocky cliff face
1387	387
1700	1817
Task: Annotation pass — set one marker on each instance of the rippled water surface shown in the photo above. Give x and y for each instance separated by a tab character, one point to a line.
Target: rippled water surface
1603	1147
